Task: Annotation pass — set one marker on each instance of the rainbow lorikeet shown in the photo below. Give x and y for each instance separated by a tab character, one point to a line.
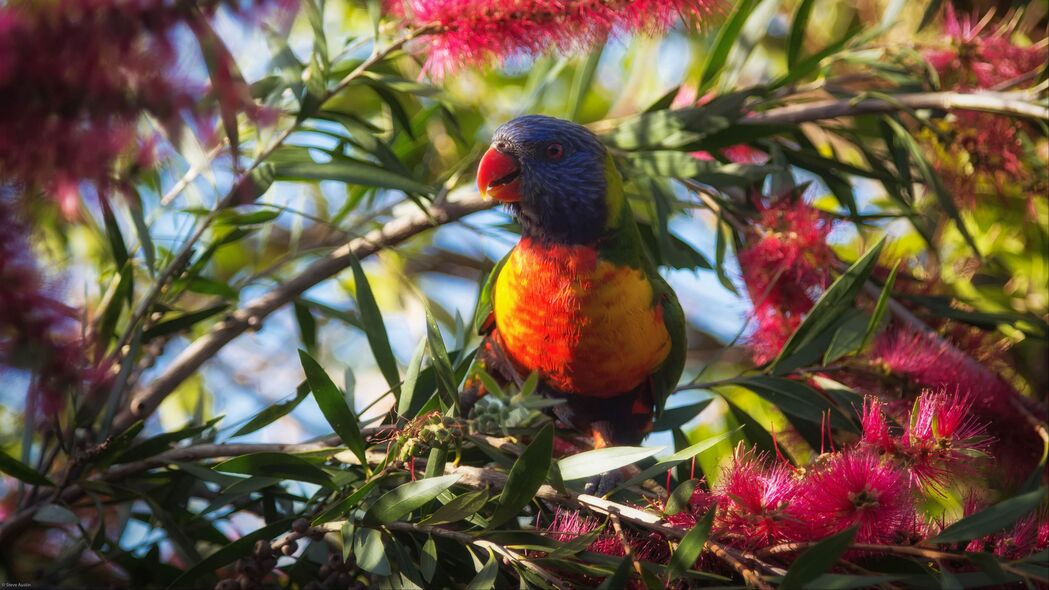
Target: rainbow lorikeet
578	300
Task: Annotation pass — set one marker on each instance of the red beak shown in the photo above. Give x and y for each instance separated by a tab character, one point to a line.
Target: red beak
499	176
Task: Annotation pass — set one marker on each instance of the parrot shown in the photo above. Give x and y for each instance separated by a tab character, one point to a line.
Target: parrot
578	300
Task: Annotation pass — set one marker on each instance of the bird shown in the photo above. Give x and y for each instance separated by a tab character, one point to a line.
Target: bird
578	300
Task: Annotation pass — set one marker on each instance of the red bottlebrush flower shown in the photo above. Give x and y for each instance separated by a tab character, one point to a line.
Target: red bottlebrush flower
858	488
755	502
479	31
786	264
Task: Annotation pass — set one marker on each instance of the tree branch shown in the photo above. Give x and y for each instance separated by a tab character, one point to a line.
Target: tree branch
251	315
1003	103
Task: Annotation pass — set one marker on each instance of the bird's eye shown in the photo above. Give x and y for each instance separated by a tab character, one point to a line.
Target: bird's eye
554	151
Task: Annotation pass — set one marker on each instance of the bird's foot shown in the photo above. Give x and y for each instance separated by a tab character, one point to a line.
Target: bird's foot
602	484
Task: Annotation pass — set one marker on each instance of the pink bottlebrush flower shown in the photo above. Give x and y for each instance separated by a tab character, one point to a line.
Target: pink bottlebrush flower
875	427
773	328
934	363
987	147
472	32
37	332
942	439
787	261
755	501
857	488
79	73
979	58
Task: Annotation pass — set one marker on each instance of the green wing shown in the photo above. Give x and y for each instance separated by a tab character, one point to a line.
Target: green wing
625	246
666	378
483	318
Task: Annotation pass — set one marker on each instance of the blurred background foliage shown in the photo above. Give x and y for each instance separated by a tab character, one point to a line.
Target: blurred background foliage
367	139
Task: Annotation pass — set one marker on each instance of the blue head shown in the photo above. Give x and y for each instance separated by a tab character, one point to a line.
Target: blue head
552	175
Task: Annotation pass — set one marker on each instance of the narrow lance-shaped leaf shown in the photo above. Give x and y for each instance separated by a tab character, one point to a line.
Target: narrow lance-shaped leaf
442	366
374	328
274	412
333	405
797	31
275	465
690	546
881	307
21	471
817	559
411	380
230	552
836	300
726	39
403	499
993	519
526	476
600	461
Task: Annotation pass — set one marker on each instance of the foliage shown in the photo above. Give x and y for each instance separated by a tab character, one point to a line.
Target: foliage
865	182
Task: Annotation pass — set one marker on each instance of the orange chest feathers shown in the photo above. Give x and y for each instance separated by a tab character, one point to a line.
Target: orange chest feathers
587	326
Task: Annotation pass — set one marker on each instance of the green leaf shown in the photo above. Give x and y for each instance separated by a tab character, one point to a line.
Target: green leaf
993	519
370	549
619	577
405	498
21	471
526	476
333	405
374	328
55	514
274	412
182	322
836	300
881	307
598	461
228	86
680	497
275	465
149	251
459	508
411	380
933	181
848	338
817	559
677	417
485	579
346	504
428	559
230	552
797	31
307	325
163	442
351	172
690	546
116	238
669	462
723	43
795	398
442	365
